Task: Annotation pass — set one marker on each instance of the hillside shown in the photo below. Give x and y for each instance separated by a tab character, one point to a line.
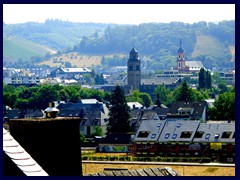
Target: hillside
213	44
208	45
75	59
15	48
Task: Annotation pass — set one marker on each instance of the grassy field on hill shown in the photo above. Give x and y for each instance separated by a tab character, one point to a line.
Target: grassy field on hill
75	59
15	48
207	45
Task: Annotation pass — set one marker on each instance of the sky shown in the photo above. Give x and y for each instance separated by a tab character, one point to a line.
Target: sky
118	13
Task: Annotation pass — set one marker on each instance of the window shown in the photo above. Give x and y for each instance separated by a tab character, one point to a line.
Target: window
216	136
174	136
153	136
186	134
207	136
143	134
167	135
226	134
199	134
130	68
137	67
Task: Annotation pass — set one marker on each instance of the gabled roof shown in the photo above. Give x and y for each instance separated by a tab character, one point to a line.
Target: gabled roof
20	157
213	132
174	130
153	128
194	65
198	107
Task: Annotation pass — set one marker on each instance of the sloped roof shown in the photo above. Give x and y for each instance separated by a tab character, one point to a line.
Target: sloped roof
166	171
214	129
89	101
136	104
174	130
160	81
194	65
116	138
198	107
153	127
20	157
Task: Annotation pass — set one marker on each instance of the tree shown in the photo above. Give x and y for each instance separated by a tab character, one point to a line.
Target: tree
146	99
163	94
184	93
201	79
224	107
98	131
119	116
204	79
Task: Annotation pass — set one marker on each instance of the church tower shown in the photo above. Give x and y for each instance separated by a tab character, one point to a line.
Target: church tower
181	66
134	69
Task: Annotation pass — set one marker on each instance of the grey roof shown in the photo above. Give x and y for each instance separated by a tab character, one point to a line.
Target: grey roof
165	171
153	127
160	81
198	107
215	131
20	157
172	131
34	113
194	65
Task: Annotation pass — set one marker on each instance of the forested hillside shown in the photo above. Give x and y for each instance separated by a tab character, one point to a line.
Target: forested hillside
213	44
55	34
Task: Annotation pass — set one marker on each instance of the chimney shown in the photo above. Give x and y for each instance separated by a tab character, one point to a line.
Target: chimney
54	143
51	111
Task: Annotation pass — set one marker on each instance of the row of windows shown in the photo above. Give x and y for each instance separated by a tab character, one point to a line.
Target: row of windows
187	134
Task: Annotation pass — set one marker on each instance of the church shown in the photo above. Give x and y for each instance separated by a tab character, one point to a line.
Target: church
186	66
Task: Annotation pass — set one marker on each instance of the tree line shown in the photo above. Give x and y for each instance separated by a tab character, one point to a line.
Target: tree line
38	97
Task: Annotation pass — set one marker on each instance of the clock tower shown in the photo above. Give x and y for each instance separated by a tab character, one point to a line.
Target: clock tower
134	70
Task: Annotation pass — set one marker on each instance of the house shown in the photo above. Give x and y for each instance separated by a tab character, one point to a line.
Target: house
146	138
27	81
92	112
217	138
116	142
189	110
69	73
149	85
186	139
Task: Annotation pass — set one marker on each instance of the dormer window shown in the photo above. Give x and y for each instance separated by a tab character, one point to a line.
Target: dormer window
226	134
216	136
186	134
143	134
174	136
207	136
153	136
167	135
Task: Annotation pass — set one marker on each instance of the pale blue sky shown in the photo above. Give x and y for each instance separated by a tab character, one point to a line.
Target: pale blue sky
118	13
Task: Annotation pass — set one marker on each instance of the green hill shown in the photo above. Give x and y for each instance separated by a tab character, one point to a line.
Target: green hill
15	48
